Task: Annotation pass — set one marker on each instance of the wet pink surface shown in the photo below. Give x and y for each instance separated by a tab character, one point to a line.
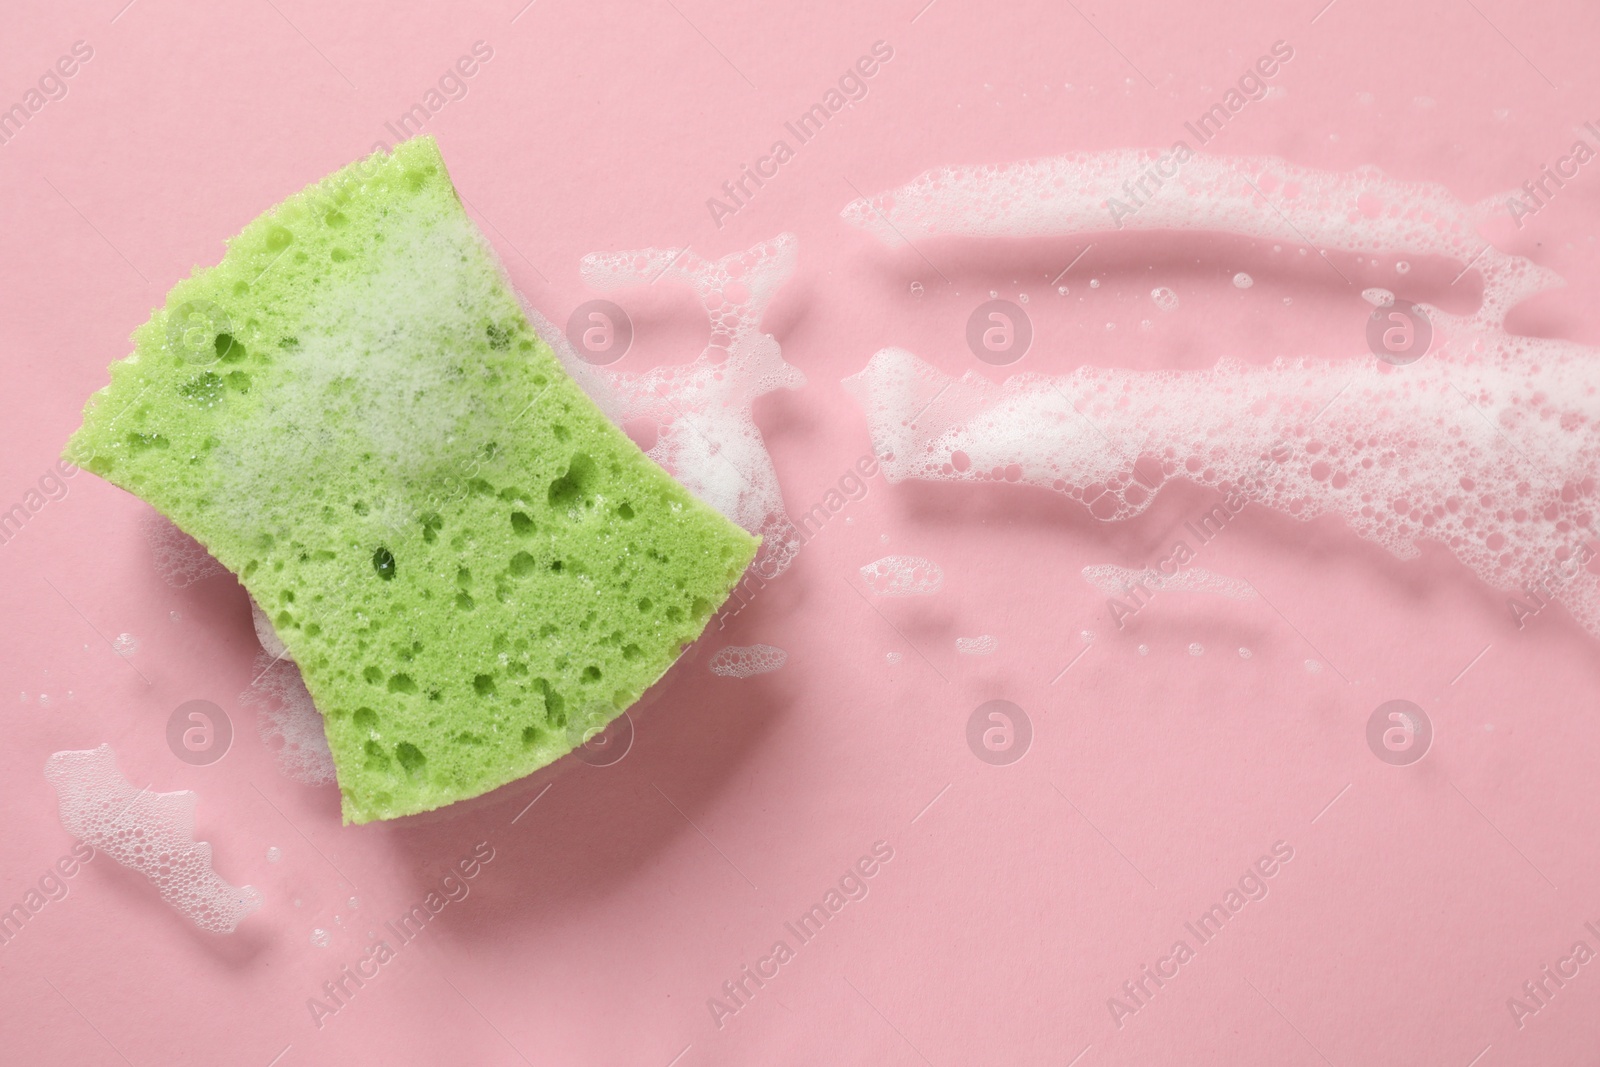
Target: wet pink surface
1017	899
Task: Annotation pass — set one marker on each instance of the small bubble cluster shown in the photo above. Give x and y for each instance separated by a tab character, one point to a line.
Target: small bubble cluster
745	661
152	833
903	576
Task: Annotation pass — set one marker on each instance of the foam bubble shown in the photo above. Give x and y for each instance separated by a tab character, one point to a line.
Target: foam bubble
1489	446
707	437
152	833
893	658
288	721
743	661
1243	280
1378	298
320	938
180	559
267	635
1113	580
982	645
903	576
1165	298
125	645
274	853
1197	649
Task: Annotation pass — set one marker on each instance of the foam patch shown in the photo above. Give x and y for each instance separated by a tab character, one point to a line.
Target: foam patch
470	565
982	645
706	433
745	661
1489	445
152	833
903	576
288	721
181	559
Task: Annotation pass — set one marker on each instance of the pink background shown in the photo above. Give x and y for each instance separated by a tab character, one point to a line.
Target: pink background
1025	895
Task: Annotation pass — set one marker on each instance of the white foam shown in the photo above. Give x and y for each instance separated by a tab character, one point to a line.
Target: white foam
152	833
903	576
288	721
982	645
1359	211
180	558
744	661
706	433
1113	580
267	634
1489	445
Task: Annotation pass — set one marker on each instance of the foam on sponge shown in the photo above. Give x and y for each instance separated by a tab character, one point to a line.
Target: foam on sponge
469	563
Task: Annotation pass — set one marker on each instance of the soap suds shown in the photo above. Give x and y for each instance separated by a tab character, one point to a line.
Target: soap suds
706	435
180	559
1489	445
744	661
982	645
288	721
271	644
903	576
1113	580
152	833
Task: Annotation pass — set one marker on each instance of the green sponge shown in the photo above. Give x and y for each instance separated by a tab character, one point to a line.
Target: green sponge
470	564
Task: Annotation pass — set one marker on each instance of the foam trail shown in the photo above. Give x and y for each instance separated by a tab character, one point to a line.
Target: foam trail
744	661
152	833
1264	197
982	645
707	436
1490	445
1113	580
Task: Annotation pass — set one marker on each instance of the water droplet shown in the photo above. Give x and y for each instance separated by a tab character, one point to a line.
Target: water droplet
24	697
916	288
1402	267
125	645
354	903
1245	653
1144	650
1022	298
1243	280
893	658
1062	290
1087	635
320	938
1313	666
174	616
1111	326
993	295
274	853
1094	283
1287	301
1197	649
44	700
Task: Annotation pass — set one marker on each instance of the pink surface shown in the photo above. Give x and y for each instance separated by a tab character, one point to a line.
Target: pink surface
1018	899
